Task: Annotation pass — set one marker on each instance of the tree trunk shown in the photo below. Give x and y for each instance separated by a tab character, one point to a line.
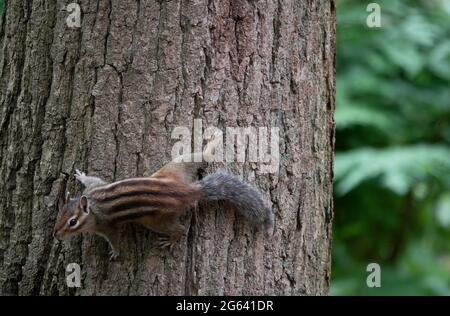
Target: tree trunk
105	98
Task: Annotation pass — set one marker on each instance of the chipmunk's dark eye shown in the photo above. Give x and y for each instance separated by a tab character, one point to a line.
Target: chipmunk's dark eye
73	222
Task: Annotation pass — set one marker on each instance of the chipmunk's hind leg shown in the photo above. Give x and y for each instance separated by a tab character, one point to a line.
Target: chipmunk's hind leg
167	225
178	171
184	168
88	181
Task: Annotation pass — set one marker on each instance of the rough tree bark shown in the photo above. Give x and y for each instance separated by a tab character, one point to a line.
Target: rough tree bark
105	97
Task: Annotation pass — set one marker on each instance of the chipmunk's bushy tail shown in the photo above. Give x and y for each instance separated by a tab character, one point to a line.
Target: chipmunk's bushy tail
247	199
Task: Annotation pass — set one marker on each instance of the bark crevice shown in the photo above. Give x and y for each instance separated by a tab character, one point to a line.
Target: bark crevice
106	97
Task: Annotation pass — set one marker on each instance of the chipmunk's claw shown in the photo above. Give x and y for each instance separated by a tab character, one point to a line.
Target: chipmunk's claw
165	242
113	254
79	175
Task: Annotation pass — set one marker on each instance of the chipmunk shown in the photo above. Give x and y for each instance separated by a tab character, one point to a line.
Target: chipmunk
156	202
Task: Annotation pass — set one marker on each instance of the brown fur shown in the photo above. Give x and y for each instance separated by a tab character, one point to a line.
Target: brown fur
155	203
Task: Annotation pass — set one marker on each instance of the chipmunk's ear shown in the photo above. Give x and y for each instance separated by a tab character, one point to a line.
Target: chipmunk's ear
67	198
60	203
63	200
84	204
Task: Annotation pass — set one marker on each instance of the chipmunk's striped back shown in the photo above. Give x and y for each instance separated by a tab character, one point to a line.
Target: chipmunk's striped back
131	199
155	202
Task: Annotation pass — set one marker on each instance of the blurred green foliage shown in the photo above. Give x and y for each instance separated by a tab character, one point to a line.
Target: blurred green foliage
392	166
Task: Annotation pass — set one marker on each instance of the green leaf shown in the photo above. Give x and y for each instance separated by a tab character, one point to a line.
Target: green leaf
440	60
443	210
399	167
